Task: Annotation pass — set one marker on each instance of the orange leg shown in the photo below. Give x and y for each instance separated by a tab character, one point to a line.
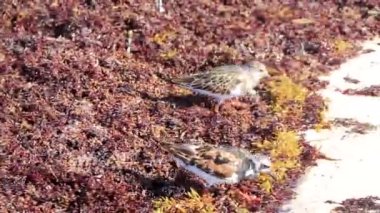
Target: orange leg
219	106
239	105
256	98
216	108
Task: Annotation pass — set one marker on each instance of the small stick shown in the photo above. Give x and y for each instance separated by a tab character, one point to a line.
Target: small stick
130	35
160	6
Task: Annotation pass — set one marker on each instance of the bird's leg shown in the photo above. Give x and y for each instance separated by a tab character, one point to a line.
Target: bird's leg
219	105
256	98
238	104
216	108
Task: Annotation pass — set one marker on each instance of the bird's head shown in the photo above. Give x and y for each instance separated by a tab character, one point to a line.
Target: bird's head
259	164
258	69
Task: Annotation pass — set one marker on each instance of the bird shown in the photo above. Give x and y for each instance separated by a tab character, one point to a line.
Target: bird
219	164
225	82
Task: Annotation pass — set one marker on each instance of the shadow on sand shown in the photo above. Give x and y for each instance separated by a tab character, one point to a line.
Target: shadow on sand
162	186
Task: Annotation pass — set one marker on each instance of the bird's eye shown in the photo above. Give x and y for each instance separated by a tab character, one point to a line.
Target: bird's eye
263	166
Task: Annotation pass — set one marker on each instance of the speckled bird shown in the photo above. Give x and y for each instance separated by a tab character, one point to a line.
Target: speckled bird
219	164
226	81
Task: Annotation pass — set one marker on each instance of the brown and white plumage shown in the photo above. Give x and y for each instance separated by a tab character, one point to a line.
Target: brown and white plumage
219	164
225	82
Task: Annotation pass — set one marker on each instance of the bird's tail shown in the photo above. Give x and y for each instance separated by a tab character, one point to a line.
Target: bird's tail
175	80
164	77
180	149
166	146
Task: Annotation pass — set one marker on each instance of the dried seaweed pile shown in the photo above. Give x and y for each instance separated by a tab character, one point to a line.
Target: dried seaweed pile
82	111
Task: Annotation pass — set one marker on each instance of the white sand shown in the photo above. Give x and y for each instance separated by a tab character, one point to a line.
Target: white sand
357	172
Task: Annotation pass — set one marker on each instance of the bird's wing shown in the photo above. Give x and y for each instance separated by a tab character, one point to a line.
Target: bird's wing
210	159
218	162
219	80
185	152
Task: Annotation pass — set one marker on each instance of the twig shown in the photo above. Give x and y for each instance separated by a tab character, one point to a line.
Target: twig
130	35
160	6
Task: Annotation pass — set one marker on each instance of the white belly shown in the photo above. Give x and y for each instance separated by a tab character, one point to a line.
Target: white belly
236	92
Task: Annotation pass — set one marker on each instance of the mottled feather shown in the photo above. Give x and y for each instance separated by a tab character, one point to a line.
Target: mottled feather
220	80
225	82
221	161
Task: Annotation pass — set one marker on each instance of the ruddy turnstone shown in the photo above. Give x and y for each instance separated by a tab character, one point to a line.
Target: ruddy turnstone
225	82
219	164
